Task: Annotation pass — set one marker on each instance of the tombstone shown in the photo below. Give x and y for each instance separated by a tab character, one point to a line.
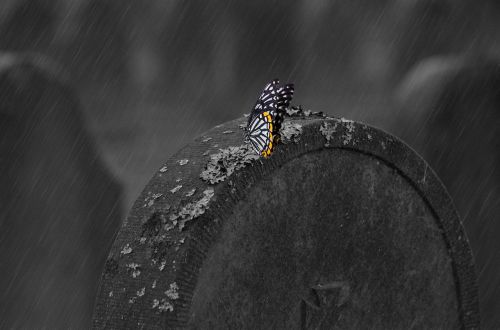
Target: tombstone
424	28
450	114
60	207
344	226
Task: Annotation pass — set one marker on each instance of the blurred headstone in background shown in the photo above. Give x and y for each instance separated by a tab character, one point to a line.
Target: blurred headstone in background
432	27
450	113
60	206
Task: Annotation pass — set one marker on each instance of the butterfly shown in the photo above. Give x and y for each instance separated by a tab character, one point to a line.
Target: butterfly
264	122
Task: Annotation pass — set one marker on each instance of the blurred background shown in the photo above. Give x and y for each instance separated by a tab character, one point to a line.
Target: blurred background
127	83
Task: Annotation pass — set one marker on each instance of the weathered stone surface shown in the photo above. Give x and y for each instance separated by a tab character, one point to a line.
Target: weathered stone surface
344	226
59	205
450	114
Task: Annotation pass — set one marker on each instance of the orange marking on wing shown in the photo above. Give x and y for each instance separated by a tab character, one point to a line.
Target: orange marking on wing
267	152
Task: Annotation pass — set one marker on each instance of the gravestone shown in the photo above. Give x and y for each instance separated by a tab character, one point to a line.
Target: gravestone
450	114
343	226
59	205
424	28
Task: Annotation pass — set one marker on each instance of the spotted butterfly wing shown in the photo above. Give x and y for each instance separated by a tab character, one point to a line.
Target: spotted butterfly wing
266	117
285	94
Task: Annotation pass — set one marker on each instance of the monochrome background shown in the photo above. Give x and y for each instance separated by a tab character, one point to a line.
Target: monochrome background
152	75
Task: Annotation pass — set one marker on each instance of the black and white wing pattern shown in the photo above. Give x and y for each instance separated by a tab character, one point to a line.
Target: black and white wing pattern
260	134
267	100
267	115
285	95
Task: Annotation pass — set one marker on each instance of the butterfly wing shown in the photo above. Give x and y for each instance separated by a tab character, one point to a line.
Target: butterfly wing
267	115
267	100
260	134
284	96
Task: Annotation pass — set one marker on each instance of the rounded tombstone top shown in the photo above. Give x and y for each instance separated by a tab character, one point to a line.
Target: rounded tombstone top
343	226
450	115
32	86
59	205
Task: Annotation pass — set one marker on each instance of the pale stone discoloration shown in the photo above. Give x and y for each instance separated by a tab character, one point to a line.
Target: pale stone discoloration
192	210
224	163
290	132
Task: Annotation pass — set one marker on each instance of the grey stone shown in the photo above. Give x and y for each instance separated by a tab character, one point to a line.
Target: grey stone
342	227
450	114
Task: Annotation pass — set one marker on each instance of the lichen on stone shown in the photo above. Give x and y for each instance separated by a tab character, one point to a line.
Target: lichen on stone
170	225
165	306
172	292
162	305
174	190
298	111
224	163
151	199
126	249
290	132
192	210
134	269
293	111
347	136
191	192
328	129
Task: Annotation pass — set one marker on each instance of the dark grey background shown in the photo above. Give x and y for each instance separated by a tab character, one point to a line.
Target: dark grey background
152	75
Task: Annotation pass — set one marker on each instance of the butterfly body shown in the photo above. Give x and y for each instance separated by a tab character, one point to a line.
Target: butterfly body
264	122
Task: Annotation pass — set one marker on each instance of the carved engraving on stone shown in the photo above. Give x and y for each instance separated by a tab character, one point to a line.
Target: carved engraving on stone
320	307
